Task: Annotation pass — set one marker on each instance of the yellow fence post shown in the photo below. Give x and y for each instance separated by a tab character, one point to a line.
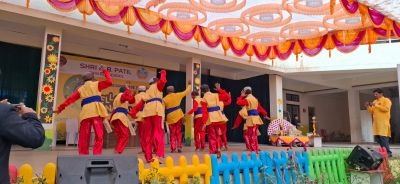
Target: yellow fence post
25	173
49	172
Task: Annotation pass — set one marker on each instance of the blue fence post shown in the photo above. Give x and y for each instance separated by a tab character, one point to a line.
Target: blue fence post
236	169
215	170
284	160
255	164
278	167
225	168
292	170
245	166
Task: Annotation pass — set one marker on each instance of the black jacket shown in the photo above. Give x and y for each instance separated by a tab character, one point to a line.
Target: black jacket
25	130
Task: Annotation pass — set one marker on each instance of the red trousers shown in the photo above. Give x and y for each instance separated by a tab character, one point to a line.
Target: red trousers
122	134
213	138
140	134
153	134
175	138
199	134
223	140
253	138
246	139
84	135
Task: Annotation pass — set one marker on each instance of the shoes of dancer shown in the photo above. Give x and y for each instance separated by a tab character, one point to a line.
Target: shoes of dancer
179	150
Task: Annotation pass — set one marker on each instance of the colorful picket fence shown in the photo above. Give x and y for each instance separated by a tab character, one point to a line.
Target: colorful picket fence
328	166
283	167
26	175
196	172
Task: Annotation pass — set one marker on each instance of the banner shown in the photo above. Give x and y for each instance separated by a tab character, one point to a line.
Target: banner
71	68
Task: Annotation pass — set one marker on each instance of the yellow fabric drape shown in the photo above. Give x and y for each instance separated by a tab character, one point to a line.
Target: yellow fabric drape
210	35
238	43
108	9
184	27
297	50
364	14
129	19
346	36
149	17
272	54
261	49
329	44
85	8
225	45
332	5
389	26
167	29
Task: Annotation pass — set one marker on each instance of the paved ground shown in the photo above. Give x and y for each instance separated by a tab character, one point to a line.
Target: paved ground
39	158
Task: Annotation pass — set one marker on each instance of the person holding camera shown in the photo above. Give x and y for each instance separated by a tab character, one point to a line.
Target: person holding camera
20	126
380	111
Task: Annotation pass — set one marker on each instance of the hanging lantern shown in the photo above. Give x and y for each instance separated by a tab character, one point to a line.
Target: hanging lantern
250	52
182	12
167	29
266	16
329	44
370	38
229	27
297	49
225	45
197	35
219	6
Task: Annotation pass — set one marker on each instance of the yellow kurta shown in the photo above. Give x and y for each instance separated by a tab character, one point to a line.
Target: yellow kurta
94	109
174	100
198	100
119	115
243	114
153	108
381	116
252	119
212	101
139	97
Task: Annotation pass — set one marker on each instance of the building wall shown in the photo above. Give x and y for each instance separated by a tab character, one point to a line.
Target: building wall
331	111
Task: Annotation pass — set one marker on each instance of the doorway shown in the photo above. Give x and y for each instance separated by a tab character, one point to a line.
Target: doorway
311	113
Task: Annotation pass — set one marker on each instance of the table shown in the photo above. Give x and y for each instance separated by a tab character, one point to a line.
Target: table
289	140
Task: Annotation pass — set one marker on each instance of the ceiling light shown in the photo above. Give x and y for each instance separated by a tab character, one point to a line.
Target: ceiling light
314	3
218	2
266	17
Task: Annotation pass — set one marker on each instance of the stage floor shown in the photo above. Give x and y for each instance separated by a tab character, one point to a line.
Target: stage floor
38	158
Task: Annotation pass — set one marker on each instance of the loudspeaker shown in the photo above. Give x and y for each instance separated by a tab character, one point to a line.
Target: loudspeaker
97	170
364	158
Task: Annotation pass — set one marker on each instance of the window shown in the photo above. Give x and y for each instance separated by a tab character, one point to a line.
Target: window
292	97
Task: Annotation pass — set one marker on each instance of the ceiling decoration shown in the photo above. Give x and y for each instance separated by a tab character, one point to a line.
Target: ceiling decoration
266	29
119	2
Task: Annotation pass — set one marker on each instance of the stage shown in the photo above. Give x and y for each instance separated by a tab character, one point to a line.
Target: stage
39	158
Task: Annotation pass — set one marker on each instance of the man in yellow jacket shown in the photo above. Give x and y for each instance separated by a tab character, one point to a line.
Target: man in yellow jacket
174	115
380	111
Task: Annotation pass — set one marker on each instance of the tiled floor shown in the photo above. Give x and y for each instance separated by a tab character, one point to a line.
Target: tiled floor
39	158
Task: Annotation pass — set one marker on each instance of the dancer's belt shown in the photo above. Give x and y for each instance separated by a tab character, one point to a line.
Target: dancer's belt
213	109
121	110
198	111
154	100
172	109
252	112
91	99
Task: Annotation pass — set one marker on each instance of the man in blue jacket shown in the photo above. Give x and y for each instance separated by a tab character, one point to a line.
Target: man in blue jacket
19	125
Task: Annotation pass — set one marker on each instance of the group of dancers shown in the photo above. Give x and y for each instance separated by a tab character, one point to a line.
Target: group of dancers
149	110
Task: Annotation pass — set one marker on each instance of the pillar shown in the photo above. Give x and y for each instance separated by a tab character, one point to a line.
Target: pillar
193	73
353	96
47	88
276	96
398	79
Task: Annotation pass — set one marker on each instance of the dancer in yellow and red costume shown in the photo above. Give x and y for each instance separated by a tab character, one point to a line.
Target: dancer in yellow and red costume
222	126
93	111
120	119
138	98
153	112
213	116
174	115
253	119
199	132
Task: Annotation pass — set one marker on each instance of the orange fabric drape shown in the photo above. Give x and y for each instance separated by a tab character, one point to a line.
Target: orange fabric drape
129	19
369	38
364	13
110	10
149	17
346	36
197	35
284	46
210	35
184	27
312	42
250	52
261	49
272	54
167	29
85	8
297	50
225	45
329	44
